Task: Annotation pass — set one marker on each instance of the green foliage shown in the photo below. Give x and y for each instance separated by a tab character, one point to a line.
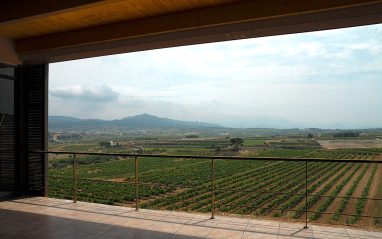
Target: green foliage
105	144
69	136
283	153
77	147
195	174
361	202
349	193
264	183
192	136
252	142
85	160
236	142
346	135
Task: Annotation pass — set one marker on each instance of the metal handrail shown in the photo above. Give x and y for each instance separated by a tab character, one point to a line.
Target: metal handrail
213	189
202	188
217	157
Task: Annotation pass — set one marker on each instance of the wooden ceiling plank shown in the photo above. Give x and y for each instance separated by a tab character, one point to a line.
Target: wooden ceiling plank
228	14
20	11
106	14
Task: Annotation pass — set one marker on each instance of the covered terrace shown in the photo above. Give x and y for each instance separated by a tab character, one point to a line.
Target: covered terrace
35	33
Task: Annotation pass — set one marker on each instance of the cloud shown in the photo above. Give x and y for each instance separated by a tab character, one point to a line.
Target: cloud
85	93
318	77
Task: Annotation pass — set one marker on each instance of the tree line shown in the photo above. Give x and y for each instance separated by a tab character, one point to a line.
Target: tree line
346	135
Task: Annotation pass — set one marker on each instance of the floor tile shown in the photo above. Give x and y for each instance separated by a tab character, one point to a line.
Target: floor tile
106	237
362	234
124	232
225	233
262	228
113	220
80	235
226	224
154	235
178	218
328	232
161	230
5	236
192	231
139	223
54	218
295	232
49	233
259	235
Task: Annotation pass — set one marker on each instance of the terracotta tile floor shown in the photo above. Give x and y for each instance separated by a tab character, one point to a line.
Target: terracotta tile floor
38	217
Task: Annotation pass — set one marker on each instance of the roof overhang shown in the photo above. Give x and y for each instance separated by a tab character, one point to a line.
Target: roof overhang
222	22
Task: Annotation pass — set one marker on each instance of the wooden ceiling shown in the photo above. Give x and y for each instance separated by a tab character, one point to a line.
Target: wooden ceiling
92	15
37	26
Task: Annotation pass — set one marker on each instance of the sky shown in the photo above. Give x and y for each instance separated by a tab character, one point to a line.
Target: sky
324	79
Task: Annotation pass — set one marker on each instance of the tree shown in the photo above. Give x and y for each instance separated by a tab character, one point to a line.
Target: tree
310	135
347	134
105	144
236	142
192	136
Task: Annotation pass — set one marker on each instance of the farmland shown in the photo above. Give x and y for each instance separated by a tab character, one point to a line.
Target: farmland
254	188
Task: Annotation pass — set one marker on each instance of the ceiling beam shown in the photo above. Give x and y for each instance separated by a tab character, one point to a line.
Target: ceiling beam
16	11
216	16
339	18
8	54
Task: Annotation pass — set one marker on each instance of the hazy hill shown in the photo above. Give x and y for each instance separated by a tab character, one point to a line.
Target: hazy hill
143	121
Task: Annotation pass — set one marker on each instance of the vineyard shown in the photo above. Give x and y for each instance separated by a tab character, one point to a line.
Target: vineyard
257	188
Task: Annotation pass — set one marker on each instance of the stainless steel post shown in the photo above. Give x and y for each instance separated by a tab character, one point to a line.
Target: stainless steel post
306	194
75	177
213	192
136	183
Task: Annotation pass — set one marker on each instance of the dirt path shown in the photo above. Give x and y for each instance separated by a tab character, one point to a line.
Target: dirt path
287	214
323	172
373	207
181	189
322	199
337	201
350	206
220	200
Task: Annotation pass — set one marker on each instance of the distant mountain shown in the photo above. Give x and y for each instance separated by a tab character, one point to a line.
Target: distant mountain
143	121
62	119
338	126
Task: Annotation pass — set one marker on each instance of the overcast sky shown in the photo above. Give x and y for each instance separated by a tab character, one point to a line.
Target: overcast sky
321	79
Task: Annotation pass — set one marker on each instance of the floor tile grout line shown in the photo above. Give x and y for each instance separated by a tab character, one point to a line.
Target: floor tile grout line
118	212
212	228
347	233
14	236
182	227
114	227
148	228
245	229
66	234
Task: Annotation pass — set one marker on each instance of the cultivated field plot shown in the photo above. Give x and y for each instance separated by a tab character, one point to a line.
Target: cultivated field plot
351	143
260	188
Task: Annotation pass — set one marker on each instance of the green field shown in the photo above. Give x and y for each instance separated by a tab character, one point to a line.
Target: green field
245	187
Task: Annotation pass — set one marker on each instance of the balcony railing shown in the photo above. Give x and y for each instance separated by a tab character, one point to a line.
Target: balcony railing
213	159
